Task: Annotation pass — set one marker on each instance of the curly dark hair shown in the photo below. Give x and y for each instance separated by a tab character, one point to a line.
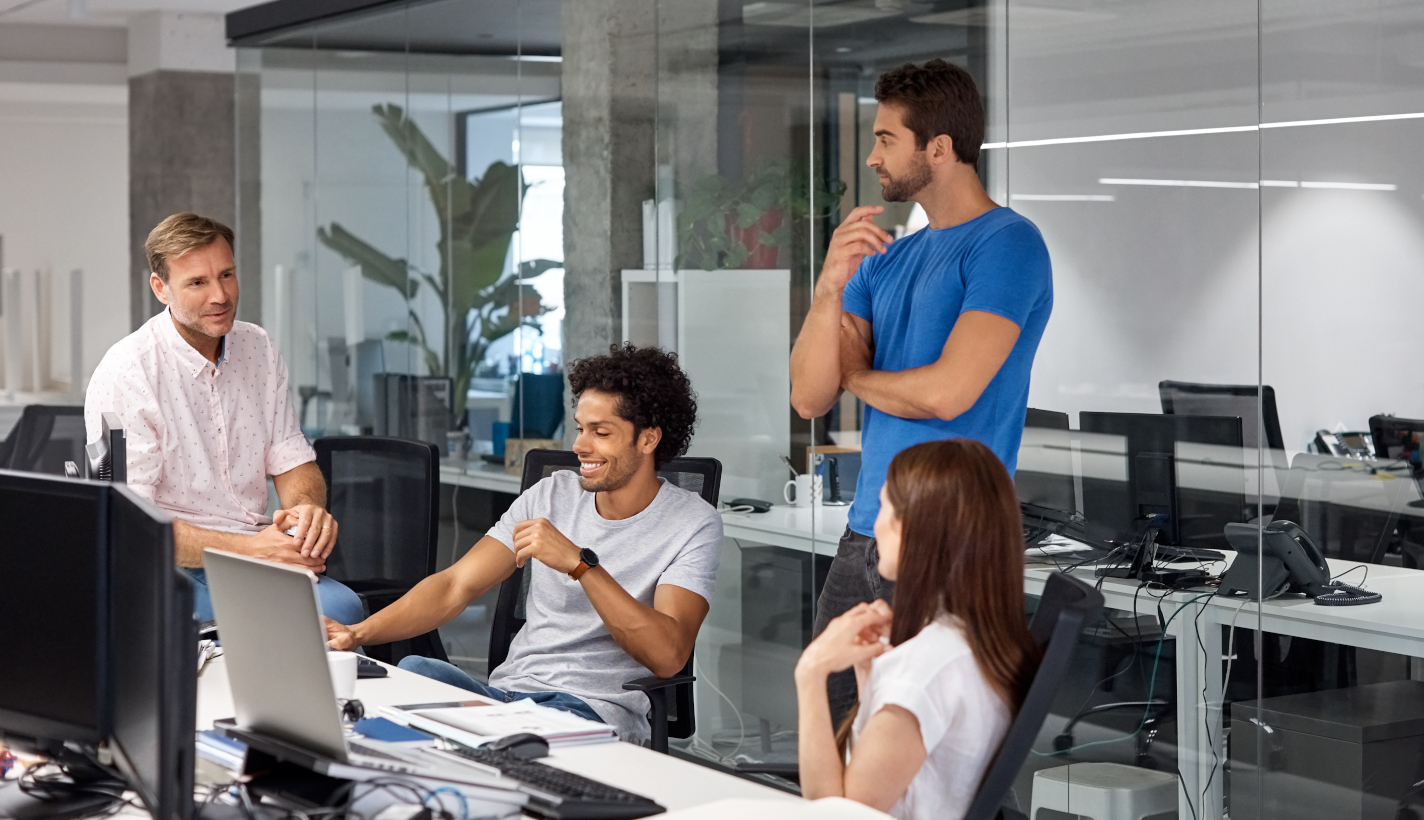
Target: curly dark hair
652	392
937	98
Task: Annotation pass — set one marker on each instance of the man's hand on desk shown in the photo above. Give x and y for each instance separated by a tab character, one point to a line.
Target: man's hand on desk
316	529
272	544
340	637
540	540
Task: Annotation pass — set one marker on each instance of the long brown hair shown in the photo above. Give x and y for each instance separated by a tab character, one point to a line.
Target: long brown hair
961	552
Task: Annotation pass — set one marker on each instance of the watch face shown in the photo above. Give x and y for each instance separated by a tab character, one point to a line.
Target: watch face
589	557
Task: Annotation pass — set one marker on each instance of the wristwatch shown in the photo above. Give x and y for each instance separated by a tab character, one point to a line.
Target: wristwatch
588	559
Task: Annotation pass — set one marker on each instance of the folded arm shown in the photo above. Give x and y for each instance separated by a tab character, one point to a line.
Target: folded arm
433	602
977	347
659	637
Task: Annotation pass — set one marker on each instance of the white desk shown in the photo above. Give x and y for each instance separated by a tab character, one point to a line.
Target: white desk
1394	625
674	783
478	474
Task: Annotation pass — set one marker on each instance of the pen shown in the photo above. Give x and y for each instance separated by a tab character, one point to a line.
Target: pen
787	462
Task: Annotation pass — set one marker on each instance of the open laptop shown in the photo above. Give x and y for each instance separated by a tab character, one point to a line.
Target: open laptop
274	639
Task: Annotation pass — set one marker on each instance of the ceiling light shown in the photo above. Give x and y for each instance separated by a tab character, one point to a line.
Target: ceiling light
1063	197
1351	186
1178	183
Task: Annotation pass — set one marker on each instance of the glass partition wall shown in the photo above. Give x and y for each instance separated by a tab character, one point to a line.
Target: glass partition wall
1225	191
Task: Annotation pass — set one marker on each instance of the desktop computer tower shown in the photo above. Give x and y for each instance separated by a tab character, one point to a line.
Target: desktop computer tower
413	407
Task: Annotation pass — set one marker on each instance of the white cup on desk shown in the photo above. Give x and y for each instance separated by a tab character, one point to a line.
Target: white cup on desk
803	491
343	673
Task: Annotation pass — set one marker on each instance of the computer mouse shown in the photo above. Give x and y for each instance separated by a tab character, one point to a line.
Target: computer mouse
522	745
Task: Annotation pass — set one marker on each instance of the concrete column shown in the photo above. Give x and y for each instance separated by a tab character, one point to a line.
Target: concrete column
182	155
610	115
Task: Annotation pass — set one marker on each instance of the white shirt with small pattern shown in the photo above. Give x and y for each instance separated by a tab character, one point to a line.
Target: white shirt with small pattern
202	437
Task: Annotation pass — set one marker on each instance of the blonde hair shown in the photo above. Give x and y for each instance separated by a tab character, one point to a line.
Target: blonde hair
179	234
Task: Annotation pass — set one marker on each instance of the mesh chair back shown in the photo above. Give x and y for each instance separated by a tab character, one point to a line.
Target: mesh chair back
1067	606
383	492
44	438
1190	399
698	475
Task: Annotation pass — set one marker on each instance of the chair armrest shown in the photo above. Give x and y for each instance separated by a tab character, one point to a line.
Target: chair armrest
653	683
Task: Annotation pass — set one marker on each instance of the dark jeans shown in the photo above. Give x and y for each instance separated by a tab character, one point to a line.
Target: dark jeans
853	579
455	676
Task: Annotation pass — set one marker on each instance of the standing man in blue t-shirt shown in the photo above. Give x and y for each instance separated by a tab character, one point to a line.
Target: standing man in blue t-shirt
935	332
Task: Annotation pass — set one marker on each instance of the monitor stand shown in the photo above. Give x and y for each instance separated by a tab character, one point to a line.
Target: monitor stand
1146	552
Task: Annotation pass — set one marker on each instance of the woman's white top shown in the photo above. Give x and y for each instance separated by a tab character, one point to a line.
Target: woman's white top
962	719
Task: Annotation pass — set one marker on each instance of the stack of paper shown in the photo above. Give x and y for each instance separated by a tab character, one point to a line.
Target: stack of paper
221	750
476	722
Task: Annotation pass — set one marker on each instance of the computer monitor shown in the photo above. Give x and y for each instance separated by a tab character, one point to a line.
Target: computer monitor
54	659
108	457
54	609
1044	477
1184	476
538	406
154	641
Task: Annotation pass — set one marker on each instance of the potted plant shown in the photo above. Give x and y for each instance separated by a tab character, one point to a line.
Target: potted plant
745	224
477	221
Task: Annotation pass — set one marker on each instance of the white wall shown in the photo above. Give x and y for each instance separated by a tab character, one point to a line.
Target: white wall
64	202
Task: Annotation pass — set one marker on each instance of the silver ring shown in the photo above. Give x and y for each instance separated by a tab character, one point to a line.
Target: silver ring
326	526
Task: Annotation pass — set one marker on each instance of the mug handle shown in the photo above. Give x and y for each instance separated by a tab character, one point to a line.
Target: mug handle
786	491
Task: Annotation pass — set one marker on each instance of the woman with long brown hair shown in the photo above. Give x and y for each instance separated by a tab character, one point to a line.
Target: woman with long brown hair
941	676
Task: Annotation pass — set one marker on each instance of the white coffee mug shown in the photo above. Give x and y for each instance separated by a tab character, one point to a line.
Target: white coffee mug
343	673
803	491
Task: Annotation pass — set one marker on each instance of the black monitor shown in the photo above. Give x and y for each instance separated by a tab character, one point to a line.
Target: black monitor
154	651
54	608
1182	476
54	642
538	406
108	457
1398	439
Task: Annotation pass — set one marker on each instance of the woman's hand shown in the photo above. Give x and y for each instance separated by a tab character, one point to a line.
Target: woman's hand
852	640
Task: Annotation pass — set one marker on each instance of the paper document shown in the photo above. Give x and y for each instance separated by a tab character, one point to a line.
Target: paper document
476	722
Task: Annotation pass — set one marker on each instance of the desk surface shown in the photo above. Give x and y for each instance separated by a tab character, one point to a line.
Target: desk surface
674	783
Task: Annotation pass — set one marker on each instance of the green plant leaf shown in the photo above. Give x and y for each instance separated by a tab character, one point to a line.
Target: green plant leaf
375	266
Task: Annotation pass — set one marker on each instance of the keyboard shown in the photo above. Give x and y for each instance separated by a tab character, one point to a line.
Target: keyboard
559	795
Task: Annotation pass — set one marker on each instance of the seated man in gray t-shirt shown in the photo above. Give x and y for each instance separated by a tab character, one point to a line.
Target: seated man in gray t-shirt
622	565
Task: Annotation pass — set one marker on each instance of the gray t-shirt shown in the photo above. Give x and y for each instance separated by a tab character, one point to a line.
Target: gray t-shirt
564	645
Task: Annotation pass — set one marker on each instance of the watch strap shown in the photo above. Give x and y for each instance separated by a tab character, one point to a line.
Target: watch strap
579	570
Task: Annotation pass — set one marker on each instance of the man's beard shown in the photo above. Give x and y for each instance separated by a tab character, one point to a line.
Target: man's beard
192	321
614	481
900	190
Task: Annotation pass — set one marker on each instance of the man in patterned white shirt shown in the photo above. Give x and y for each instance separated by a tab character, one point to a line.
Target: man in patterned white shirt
207	418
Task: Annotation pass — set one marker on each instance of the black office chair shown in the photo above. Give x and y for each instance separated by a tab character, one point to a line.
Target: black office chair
46	436
1240	400
1065	609
383	493
677	719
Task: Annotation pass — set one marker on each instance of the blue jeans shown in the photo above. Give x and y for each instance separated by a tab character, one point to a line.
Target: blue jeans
338	602
453	675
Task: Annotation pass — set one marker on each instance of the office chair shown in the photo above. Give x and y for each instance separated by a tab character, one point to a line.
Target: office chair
1191	399
46	436
676	719
383	493
1065	609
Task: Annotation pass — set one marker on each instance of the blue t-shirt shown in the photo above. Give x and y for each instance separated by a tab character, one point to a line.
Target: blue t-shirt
912	295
